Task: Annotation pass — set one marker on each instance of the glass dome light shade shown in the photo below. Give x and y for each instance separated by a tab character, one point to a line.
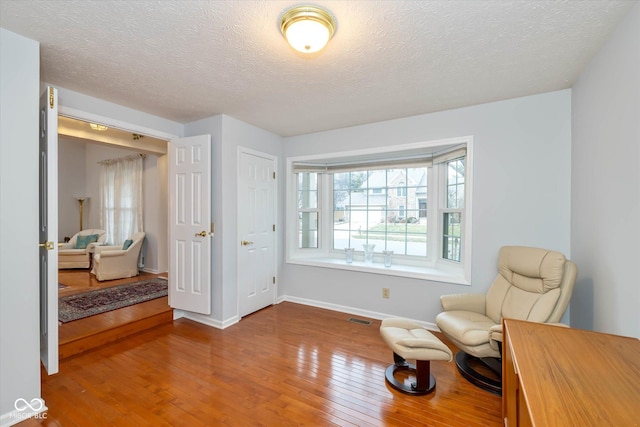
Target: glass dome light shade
307	28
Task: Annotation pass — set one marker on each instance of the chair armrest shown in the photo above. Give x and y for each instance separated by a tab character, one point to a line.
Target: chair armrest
91	247
495	333
465	302
98	249
112	253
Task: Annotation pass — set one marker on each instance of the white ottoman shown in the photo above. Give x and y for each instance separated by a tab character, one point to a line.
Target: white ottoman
409	340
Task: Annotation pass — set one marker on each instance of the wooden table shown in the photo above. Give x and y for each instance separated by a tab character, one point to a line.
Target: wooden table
555	376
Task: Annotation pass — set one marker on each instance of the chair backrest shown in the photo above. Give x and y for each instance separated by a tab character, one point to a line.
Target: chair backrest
533	284
137	242
102	236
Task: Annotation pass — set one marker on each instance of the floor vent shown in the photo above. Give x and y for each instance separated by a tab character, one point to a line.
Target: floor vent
359	321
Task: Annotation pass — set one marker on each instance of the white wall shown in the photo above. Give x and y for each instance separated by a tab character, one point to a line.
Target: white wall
227	134
605	201
19	282
156	218
71	184
521	197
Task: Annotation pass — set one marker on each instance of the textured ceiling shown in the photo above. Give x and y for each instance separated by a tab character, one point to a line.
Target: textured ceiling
186	60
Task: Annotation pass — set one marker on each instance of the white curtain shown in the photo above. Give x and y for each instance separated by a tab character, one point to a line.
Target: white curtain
121	198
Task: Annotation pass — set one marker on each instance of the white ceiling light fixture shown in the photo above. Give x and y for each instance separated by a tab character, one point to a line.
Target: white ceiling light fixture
308	29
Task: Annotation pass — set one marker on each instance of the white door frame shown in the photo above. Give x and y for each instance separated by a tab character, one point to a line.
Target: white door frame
86	116
245	150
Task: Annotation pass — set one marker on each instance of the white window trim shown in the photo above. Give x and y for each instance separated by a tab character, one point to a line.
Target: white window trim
438	269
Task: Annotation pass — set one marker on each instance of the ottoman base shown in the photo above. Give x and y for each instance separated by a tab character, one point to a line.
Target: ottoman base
425	382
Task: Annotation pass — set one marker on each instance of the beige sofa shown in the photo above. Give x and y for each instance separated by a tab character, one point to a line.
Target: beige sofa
114	262
72	256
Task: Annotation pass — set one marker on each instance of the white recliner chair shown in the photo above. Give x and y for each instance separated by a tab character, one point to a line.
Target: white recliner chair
118	262
76	253
532	284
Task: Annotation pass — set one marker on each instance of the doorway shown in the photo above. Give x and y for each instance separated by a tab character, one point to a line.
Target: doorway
80	150
78	178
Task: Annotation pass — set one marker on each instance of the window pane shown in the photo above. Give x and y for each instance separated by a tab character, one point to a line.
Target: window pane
341	199
307	190
413	217
341	238
307	181
341	181
385	207
455	196
307	210
417	248
308	230
397	241
395	216
307	199
451	244
455	184
375	216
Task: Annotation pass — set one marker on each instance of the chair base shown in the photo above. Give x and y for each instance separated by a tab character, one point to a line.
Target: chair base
425	382
475	377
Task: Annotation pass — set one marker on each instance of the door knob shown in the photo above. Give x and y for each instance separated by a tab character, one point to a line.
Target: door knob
47	245
246	242
202	234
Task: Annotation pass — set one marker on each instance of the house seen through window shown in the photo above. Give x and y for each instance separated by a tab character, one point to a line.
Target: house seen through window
380	207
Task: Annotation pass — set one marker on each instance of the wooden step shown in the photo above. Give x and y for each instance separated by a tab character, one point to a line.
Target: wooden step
85	334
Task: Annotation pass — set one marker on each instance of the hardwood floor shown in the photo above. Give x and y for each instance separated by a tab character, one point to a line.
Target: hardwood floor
91	332
288	364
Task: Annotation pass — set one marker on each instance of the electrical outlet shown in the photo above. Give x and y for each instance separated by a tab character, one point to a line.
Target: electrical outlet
385	292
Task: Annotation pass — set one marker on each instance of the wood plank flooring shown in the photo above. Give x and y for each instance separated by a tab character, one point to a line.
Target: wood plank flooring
285	365
91	332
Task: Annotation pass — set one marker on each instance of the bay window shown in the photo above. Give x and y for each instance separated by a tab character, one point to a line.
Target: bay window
412	200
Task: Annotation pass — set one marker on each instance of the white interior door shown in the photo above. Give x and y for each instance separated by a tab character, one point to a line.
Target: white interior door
190	224
256	230
49	230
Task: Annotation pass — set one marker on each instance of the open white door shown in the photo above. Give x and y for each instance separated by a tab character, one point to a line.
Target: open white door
190	224
256	229
49	230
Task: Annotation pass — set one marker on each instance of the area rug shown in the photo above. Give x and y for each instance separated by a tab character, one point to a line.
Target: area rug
79	306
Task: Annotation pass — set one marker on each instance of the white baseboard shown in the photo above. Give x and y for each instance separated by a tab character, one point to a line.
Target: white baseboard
151	271
351	310
206	320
